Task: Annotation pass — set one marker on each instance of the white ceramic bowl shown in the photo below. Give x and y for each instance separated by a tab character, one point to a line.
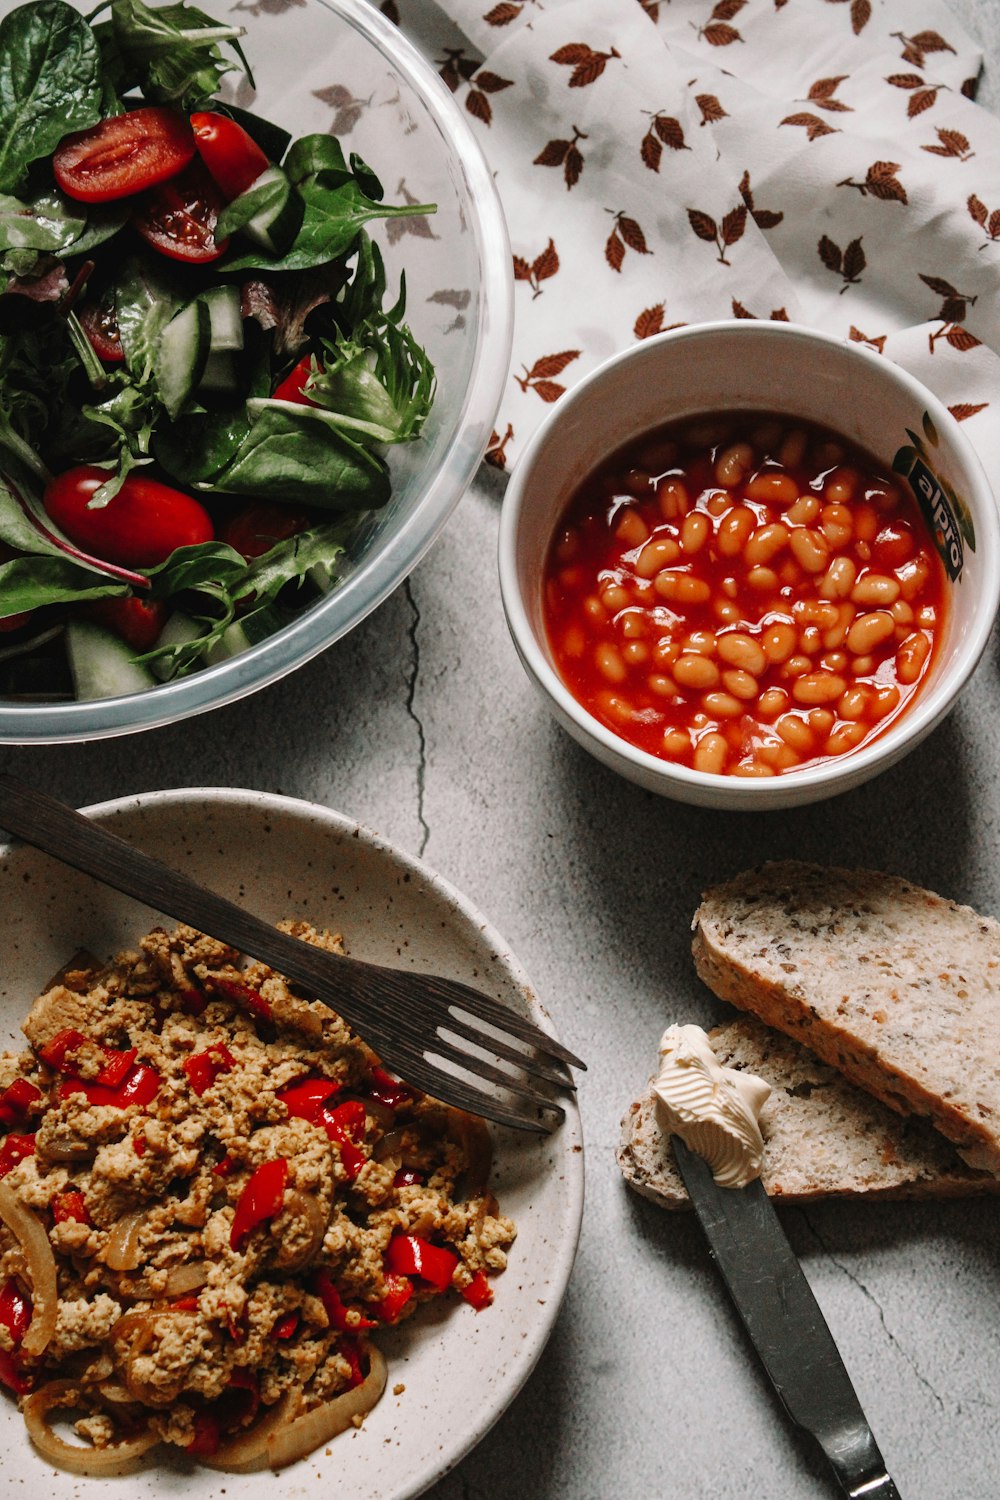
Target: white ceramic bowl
278	856
792	372
459	303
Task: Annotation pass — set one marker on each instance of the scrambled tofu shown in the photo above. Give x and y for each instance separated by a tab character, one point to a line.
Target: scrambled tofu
235	1195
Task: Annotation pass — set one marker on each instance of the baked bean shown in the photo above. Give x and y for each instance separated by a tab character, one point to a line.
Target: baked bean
845	737
838	580
741	684
658	553
681	588
733	464
772	487
721	705
741	650
910	657
841	485
805	511
711	753
773	701
747	606
796	732
837	525
614	598
609	662
818	687
763	580
868	631
735	530
672	498
695	532
875	588
631	528
854	703
778	642
698	672
793	449
810	549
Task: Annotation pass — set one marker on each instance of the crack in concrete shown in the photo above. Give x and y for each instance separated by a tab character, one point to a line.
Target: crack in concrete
866	1292
411	692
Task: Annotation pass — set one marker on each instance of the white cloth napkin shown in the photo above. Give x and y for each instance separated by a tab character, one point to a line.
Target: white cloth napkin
660	163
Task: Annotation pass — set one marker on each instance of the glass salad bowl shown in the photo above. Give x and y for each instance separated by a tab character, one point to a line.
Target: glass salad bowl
337	66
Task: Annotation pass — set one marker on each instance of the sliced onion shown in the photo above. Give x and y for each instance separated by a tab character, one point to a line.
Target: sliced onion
473	1135
117	1458
40	1265
122	1250
314	1428
247	1452
304	1206
187	1278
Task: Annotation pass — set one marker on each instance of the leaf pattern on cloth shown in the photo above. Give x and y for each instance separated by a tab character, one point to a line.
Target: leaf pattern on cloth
662	164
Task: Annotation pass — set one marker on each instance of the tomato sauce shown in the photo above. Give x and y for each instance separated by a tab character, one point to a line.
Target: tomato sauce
744	595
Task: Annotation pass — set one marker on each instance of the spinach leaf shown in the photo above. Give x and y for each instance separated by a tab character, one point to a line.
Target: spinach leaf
332	220
50	83
170	53
30	582
201	444
297	454
145	301
48	222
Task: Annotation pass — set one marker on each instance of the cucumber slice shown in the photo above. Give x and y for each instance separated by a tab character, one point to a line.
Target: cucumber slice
223	303
102	664
269	213
178	631
242	634
219	377
181	352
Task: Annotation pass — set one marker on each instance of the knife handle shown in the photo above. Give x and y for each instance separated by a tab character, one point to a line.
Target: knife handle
857	1463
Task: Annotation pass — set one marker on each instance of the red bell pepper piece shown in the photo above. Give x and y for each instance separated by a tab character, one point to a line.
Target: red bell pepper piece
336	1311
251	1000
224	1167
56	1050
15	1149
203	1068
478	1293
399	1290
285	1326
15	1310
408	1177
388	1090
261	1199
139	1145
139	1086
207	1434
70	1206
412	1255
345	1125
305	1098
116	1068
351	1350
16	1100
11	1374
185	1304
193	1002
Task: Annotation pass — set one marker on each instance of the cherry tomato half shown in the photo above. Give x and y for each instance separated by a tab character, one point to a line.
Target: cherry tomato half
100	324
292	388
232	157
179	217
138	528
135	620
259	527
124	155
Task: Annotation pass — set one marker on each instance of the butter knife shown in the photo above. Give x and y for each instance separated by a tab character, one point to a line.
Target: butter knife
786	1326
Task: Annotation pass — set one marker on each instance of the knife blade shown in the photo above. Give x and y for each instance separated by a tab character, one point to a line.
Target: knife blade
786	1326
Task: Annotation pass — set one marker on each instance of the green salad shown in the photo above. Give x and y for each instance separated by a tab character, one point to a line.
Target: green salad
199	371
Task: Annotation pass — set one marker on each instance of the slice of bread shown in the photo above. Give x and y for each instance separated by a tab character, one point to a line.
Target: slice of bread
896	987
822	1136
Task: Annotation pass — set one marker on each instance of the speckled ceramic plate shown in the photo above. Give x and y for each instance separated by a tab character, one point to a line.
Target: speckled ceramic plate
281	857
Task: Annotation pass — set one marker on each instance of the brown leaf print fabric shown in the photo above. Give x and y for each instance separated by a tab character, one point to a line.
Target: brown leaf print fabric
662	164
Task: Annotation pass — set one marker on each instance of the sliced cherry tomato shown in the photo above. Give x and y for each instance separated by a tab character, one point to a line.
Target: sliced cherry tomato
136	620
14	622
259	527
124	155
232	157
292	387
100	324
179	217
138	528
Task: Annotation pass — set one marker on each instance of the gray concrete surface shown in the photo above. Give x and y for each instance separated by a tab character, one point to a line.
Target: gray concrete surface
422	725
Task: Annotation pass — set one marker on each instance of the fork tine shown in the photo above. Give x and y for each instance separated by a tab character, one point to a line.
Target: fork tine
537	1066
442	1047
455	1091
485	1008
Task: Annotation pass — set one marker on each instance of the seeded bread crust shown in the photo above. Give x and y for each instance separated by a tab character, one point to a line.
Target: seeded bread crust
893	985
823	1138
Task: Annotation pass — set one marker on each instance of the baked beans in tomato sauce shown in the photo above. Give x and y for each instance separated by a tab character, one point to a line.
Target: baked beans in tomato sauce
744	596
